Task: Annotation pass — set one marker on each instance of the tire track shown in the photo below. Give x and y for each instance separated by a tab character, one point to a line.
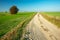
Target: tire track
37	30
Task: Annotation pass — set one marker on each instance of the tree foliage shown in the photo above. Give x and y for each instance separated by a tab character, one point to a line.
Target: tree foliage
13	10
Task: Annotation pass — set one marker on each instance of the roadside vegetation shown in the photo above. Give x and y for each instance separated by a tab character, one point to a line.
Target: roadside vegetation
53	17
8	24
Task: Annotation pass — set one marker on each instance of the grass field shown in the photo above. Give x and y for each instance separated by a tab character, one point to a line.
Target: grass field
53	17
53	13
8	21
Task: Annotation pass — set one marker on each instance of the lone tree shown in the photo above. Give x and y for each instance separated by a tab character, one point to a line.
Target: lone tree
13	10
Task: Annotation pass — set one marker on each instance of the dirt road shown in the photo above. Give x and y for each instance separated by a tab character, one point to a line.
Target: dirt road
41	29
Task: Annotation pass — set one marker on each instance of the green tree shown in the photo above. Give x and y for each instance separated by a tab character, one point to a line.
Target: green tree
13	10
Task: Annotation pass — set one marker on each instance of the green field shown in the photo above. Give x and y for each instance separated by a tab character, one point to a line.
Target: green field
53	17
53	13
8	21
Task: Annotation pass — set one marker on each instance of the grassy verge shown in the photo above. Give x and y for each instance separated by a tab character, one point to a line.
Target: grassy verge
11	22
53	17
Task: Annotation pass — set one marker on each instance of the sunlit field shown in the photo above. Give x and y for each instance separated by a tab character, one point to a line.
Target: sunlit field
54	17
9	22
53	13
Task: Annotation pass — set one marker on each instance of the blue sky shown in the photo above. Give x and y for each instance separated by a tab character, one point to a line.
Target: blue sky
31	5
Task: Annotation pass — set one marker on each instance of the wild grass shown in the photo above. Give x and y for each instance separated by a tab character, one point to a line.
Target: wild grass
9	22
53	17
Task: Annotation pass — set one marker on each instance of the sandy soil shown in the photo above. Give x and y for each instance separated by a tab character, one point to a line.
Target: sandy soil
41	29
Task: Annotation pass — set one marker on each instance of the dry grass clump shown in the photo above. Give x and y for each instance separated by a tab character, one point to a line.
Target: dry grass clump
53	19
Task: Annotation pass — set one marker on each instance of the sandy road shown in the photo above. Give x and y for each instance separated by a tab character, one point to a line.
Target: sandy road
41	29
